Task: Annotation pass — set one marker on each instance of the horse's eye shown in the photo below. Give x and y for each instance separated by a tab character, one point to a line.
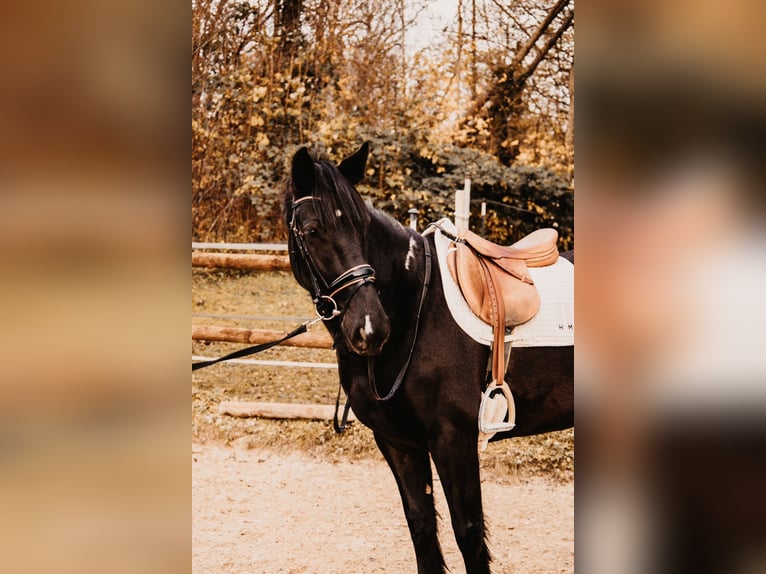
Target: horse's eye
312	232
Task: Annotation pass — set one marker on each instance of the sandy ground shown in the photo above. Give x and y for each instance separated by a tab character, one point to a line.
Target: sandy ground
262	511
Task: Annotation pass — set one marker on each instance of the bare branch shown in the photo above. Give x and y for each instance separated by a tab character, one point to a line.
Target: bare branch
510	15
522	54
530	69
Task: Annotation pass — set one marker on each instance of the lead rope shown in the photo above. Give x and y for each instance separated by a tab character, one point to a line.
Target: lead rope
403	371
255	348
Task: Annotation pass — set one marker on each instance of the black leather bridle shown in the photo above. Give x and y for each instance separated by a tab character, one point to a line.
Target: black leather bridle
327	309
323	292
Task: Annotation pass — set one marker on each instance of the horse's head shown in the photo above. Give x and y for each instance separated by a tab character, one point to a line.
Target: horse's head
328	223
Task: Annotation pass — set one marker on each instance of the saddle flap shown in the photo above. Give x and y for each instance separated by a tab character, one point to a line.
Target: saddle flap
520	298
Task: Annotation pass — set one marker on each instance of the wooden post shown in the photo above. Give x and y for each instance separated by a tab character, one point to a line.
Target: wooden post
413	218
463	206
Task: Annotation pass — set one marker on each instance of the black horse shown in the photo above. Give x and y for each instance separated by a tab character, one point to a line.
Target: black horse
411	374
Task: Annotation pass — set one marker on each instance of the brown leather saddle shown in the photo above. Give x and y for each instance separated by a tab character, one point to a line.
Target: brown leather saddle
496	284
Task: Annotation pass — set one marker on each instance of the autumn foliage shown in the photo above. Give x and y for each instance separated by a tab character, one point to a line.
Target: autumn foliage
271	75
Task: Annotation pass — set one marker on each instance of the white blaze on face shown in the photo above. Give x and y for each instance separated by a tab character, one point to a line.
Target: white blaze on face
338	213
410	255
367	330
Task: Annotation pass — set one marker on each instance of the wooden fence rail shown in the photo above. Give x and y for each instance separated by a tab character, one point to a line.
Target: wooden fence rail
259	262
294	411
258	336
240	246
241	261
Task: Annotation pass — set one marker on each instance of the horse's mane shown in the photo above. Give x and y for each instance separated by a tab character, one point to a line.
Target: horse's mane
389	221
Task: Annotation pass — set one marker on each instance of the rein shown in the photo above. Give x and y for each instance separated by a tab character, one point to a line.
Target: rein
324	295
255	348
400	377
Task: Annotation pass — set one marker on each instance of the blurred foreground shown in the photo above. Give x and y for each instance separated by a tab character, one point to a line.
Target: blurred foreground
671	276
94	467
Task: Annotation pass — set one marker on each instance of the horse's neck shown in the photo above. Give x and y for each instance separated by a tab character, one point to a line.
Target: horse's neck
397	256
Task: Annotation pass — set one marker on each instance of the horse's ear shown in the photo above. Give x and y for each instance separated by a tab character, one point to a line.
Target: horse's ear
303	172
353	166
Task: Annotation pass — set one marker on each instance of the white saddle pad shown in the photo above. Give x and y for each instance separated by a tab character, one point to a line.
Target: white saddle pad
552	326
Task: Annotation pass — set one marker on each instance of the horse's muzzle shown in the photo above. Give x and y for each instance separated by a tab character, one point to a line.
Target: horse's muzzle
365	325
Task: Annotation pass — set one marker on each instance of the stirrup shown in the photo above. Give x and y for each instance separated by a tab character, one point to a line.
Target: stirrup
489	403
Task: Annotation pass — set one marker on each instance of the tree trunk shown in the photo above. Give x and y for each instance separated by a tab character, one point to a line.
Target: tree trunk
504	103
288	25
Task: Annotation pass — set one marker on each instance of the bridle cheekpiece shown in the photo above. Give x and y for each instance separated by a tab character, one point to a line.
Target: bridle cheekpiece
323	292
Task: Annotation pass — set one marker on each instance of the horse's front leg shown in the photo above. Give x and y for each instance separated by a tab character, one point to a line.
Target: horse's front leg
456	457
412	469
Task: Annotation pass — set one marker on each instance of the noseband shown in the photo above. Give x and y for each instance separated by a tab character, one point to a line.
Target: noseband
324	293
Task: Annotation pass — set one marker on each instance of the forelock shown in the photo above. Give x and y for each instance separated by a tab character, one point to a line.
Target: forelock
335	195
